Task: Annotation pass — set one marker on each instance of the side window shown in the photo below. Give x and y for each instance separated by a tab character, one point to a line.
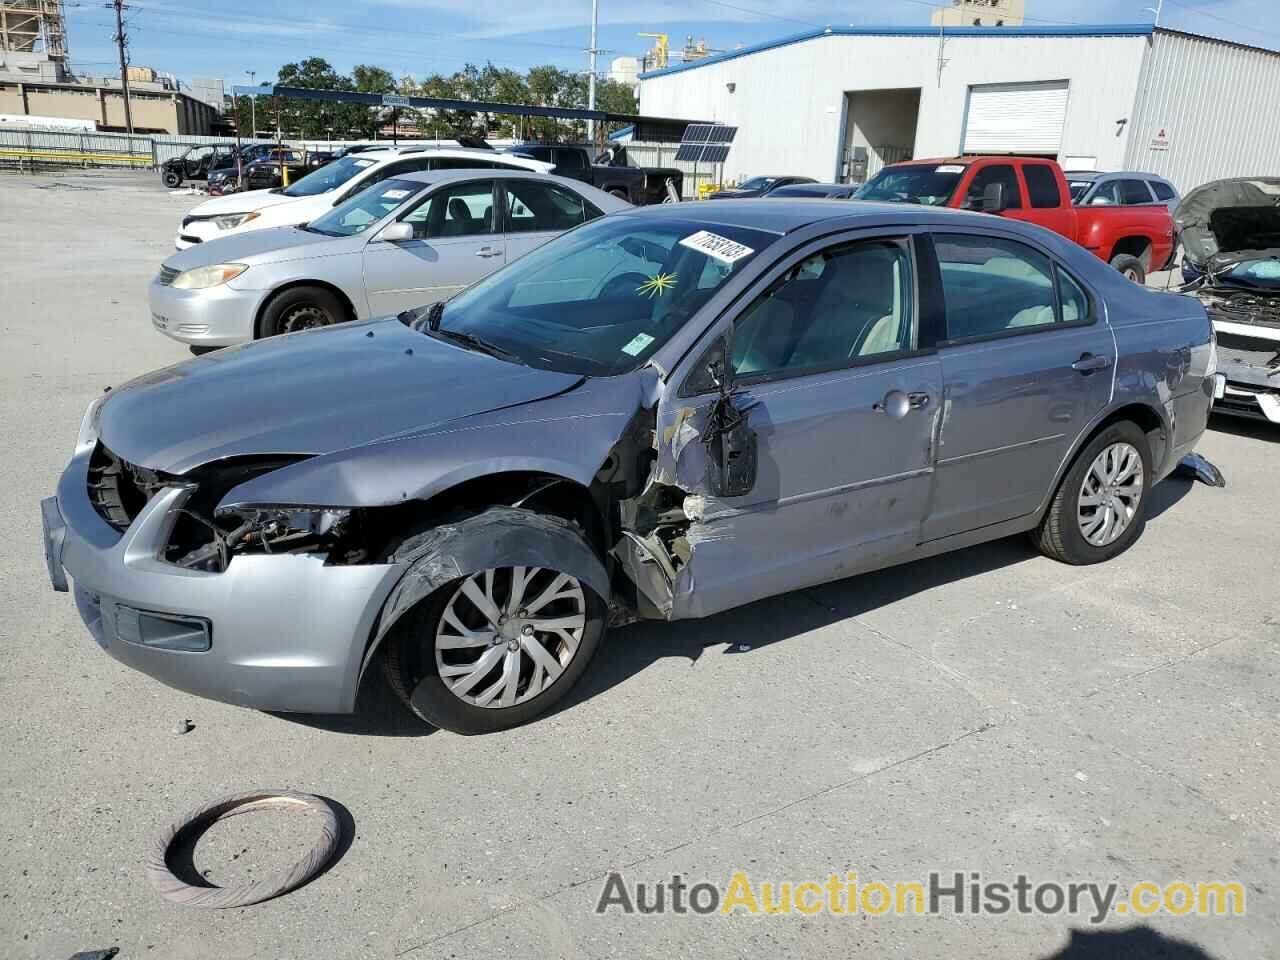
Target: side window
571	160
534	207
997	173
994	286
1073	299
1133	192
1162	190
836	307
460	163
1042	185
1106	195
464	210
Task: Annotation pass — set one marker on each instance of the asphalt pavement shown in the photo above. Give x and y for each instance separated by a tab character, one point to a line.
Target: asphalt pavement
987	711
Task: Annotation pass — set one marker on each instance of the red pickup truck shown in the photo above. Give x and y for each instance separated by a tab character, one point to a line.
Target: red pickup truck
1133	239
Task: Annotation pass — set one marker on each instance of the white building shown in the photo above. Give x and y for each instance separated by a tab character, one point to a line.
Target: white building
840	103
979	13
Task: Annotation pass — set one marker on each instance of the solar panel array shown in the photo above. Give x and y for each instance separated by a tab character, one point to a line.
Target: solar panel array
706	143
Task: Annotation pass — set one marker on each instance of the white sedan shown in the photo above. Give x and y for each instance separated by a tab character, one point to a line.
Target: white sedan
321	190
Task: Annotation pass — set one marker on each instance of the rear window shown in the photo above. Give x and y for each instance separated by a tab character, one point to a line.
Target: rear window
1042	185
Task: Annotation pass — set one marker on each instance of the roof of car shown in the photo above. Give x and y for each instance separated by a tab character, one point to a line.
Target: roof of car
489	173
783	215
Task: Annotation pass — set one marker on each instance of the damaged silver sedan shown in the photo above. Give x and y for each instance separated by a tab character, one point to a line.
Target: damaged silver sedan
660	415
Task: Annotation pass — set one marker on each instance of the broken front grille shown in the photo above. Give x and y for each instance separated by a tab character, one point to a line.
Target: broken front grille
167	276
117	490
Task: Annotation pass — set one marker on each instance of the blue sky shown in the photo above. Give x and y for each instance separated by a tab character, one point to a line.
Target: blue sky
225	38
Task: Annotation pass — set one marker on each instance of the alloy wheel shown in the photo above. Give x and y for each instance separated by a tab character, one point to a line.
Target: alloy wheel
507	634
1110	495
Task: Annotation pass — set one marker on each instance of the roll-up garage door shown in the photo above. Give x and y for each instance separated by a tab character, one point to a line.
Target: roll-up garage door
1015	117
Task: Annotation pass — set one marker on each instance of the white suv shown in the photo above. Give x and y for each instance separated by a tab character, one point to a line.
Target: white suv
328	186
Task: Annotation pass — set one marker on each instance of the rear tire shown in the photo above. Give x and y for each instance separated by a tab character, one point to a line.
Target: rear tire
171	179
301	308
619	193
1064	533
1131	267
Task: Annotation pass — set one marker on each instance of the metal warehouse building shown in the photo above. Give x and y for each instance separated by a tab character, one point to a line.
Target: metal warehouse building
842	102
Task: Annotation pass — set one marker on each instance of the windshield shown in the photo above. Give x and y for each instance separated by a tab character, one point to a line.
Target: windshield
1079	188
366	208
328	177
757	183
917	183
601	299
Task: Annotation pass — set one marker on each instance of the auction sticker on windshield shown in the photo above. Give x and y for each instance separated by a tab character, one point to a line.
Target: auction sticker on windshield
714	245
637	344
395	194
949	168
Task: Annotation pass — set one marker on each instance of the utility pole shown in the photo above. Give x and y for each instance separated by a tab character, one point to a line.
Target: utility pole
253	106
122	42
591	77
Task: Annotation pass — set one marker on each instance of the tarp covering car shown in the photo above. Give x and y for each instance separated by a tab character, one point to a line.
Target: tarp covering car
1227	223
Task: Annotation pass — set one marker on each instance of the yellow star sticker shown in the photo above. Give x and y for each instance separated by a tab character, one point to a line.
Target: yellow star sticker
657	285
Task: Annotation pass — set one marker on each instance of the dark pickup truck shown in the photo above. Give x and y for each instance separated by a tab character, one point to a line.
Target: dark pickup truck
638	185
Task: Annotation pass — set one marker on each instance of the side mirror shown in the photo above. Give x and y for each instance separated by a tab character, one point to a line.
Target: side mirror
397	232
993	199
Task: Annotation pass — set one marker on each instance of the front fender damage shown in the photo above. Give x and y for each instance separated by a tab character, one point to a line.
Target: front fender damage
706	452
498	537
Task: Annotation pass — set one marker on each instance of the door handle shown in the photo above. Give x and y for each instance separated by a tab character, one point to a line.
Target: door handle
1089	362
488	252
897	404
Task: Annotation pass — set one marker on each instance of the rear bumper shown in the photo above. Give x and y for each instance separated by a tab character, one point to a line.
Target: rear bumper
283	632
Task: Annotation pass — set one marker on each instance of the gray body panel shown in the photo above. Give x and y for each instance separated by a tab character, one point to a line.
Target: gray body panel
385	414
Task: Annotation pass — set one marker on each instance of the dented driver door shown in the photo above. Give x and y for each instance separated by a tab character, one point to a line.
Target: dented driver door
839	388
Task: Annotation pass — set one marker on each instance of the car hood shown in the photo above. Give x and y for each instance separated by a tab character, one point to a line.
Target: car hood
1228	222
284	243
245	202
310	393
726	194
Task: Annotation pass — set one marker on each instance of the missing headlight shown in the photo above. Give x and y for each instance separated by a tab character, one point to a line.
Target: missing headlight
261	530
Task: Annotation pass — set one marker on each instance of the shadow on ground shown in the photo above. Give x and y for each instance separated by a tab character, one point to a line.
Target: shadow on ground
1136	943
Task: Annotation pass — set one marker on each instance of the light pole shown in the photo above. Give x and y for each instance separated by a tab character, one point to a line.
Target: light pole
253	107
591	78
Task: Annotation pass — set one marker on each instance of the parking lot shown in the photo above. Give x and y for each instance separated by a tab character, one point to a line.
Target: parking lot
985	711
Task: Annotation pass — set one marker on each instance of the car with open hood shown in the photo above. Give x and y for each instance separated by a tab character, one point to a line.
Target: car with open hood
321	190
1230	233
661	414
407	240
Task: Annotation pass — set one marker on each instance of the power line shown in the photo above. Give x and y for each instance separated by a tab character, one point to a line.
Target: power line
1213	16
346	48
762	13
163	7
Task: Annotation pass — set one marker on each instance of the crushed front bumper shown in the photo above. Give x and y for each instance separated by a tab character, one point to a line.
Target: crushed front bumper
1253	384
284	632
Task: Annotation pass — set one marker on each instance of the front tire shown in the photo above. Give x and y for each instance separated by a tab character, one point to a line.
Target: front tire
171	179
1130	267
1100	508
494	649
301	308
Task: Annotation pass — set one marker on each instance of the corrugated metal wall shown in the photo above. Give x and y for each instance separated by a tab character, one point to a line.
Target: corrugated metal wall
1218	106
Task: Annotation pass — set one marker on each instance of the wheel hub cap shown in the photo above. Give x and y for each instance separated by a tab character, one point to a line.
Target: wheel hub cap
1110	495
509	633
